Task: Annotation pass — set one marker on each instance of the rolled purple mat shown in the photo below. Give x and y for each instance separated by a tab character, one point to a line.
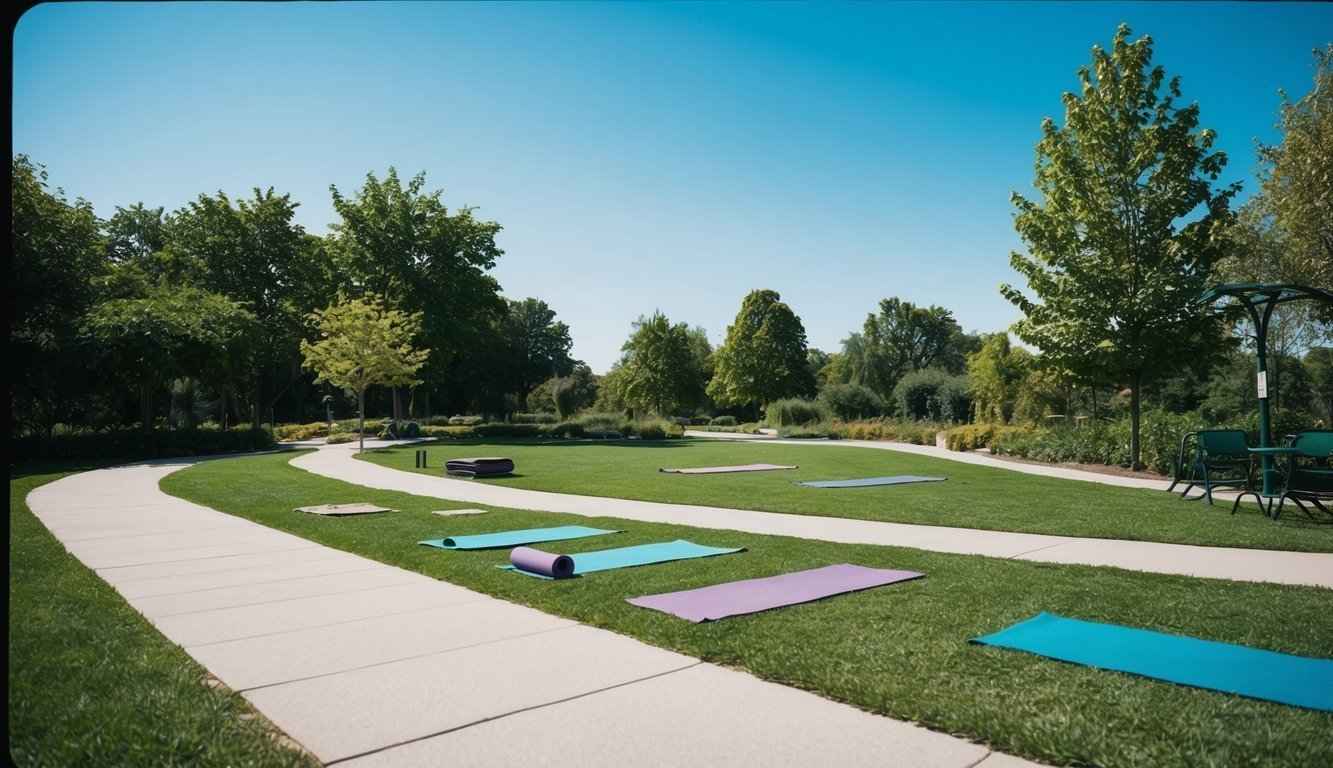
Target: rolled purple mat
544	563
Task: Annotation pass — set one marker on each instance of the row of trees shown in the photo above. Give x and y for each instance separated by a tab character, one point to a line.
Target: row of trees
215	298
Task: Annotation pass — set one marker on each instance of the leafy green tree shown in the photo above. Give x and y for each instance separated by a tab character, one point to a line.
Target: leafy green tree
252	251
170	333
997	372
56	253
538	345
900	339
659	366
574	392
136	233
361	343
1127	231
400	242
764	356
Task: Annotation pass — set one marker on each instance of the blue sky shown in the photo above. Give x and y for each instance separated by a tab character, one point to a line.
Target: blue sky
639	156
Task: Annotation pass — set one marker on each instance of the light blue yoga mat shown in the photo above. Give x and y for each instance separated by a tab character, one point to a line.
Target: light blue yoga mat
1258	674
515	538
628	557
895	480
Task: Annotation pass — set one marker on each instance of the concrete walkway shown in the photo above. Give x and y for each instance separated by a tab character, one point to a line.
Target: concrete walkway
366	664
1305	568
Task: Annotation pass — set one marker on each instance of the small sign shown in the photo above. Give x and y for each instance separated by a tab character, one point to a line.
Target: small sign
1263	385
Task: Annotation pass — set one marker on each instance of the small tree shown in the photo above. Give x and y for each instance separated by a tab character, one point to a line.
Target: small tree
1127	232
764	356
362	343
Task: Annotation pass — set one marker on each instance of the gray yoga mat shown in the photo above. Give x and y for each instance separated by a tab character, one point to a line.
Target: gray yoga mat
895	480
720	470
754	595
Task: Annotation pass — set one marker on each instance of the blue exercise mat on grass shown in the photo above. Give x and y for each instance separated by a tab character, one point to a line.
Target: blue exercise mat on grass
545	565
514	538
895	480
1258	674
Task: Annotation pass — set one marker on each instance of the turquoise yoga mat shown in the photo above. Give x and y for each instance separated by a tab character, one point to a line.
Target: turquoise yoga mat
515	538
628	557
1296	680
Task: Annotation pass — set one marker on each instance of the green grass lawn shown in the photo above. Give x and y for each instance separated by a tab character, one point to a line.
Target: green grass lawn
900	650
91	682
972	496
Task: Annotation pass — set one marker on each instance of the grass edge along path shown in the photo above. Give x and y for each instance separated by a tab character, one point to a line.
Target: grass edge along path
901	650
973	496
91	682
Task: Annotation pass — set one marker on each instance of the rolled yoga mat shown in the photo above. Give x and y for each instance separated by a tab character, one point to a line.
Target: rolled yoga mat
623	557
1296	680
754	595
547	564
717	470
895	480
514	538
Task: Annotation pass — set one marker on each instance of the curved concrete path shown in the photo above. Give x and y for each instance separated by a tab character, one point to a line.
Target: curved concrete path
366	664
1304	568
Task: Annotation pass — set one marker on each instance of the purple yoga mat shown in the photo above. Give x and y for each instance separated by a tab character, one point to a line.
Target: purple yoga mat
716	470
740	597
545	563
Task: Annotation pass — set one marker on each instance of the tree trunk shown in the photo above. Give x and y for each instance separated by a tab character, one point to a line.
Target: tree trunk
399	409
361	420
1134	445
146	406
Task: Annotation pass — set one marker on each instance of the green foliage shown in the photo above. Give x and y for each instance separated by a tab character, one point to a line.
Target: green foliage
1117	251
996	372
1319	366
1105	443
888	430
129	443
360	344
536	346
723	421
340	437
900	339
970	437
851	401
661	367
533	418
764	356
570	394
291	433
794	412
465	421
932	395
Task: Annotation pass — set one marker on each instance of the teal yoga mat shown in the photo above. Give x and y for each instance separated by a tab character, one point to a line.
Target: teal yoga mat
623	557
895	480
1296	680
515	538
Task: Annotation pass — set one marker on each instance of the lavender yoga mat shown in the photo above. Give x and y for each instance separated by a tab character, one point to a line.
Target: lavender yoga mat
753	595
716	470
546	563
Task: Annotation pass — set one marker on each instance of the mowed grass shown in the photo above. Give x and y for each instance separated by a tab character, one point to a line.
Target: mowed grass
971	496
900	650
92	683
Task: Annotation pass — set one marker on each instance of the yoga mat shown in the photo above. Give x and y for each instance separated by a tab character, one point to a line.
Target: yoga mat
550	565
628	557
1258	674
717	470
514	538
339	510
896	480
753	595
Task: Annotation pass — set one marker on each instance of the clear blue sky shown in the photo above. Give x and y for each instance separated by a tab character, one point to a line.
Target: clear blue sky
639	156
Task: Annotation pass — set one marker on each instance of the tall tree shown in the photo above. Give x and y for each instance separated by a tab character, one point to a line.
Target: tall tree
537	343
659	366
56	252
1127	231
900	339
764	355
400	242
361	343
997	372
168	333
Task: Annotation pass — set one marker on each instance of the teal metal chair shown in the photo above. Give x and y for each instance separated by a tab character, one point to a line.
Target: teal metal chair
1182	469
1310	472
1221	460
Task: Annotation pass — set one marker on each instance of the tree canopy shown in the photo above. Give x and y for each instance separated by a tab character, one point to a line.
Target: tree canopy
661	366
764	356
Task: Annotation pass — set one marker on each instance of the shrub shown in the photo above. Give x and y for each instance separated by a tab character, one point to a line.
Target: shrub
453	432
953	401
973	436
465	421
794	412
533	418
134	444
507	430
723	421
850	402
699	421
932	395
341	437
290	433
